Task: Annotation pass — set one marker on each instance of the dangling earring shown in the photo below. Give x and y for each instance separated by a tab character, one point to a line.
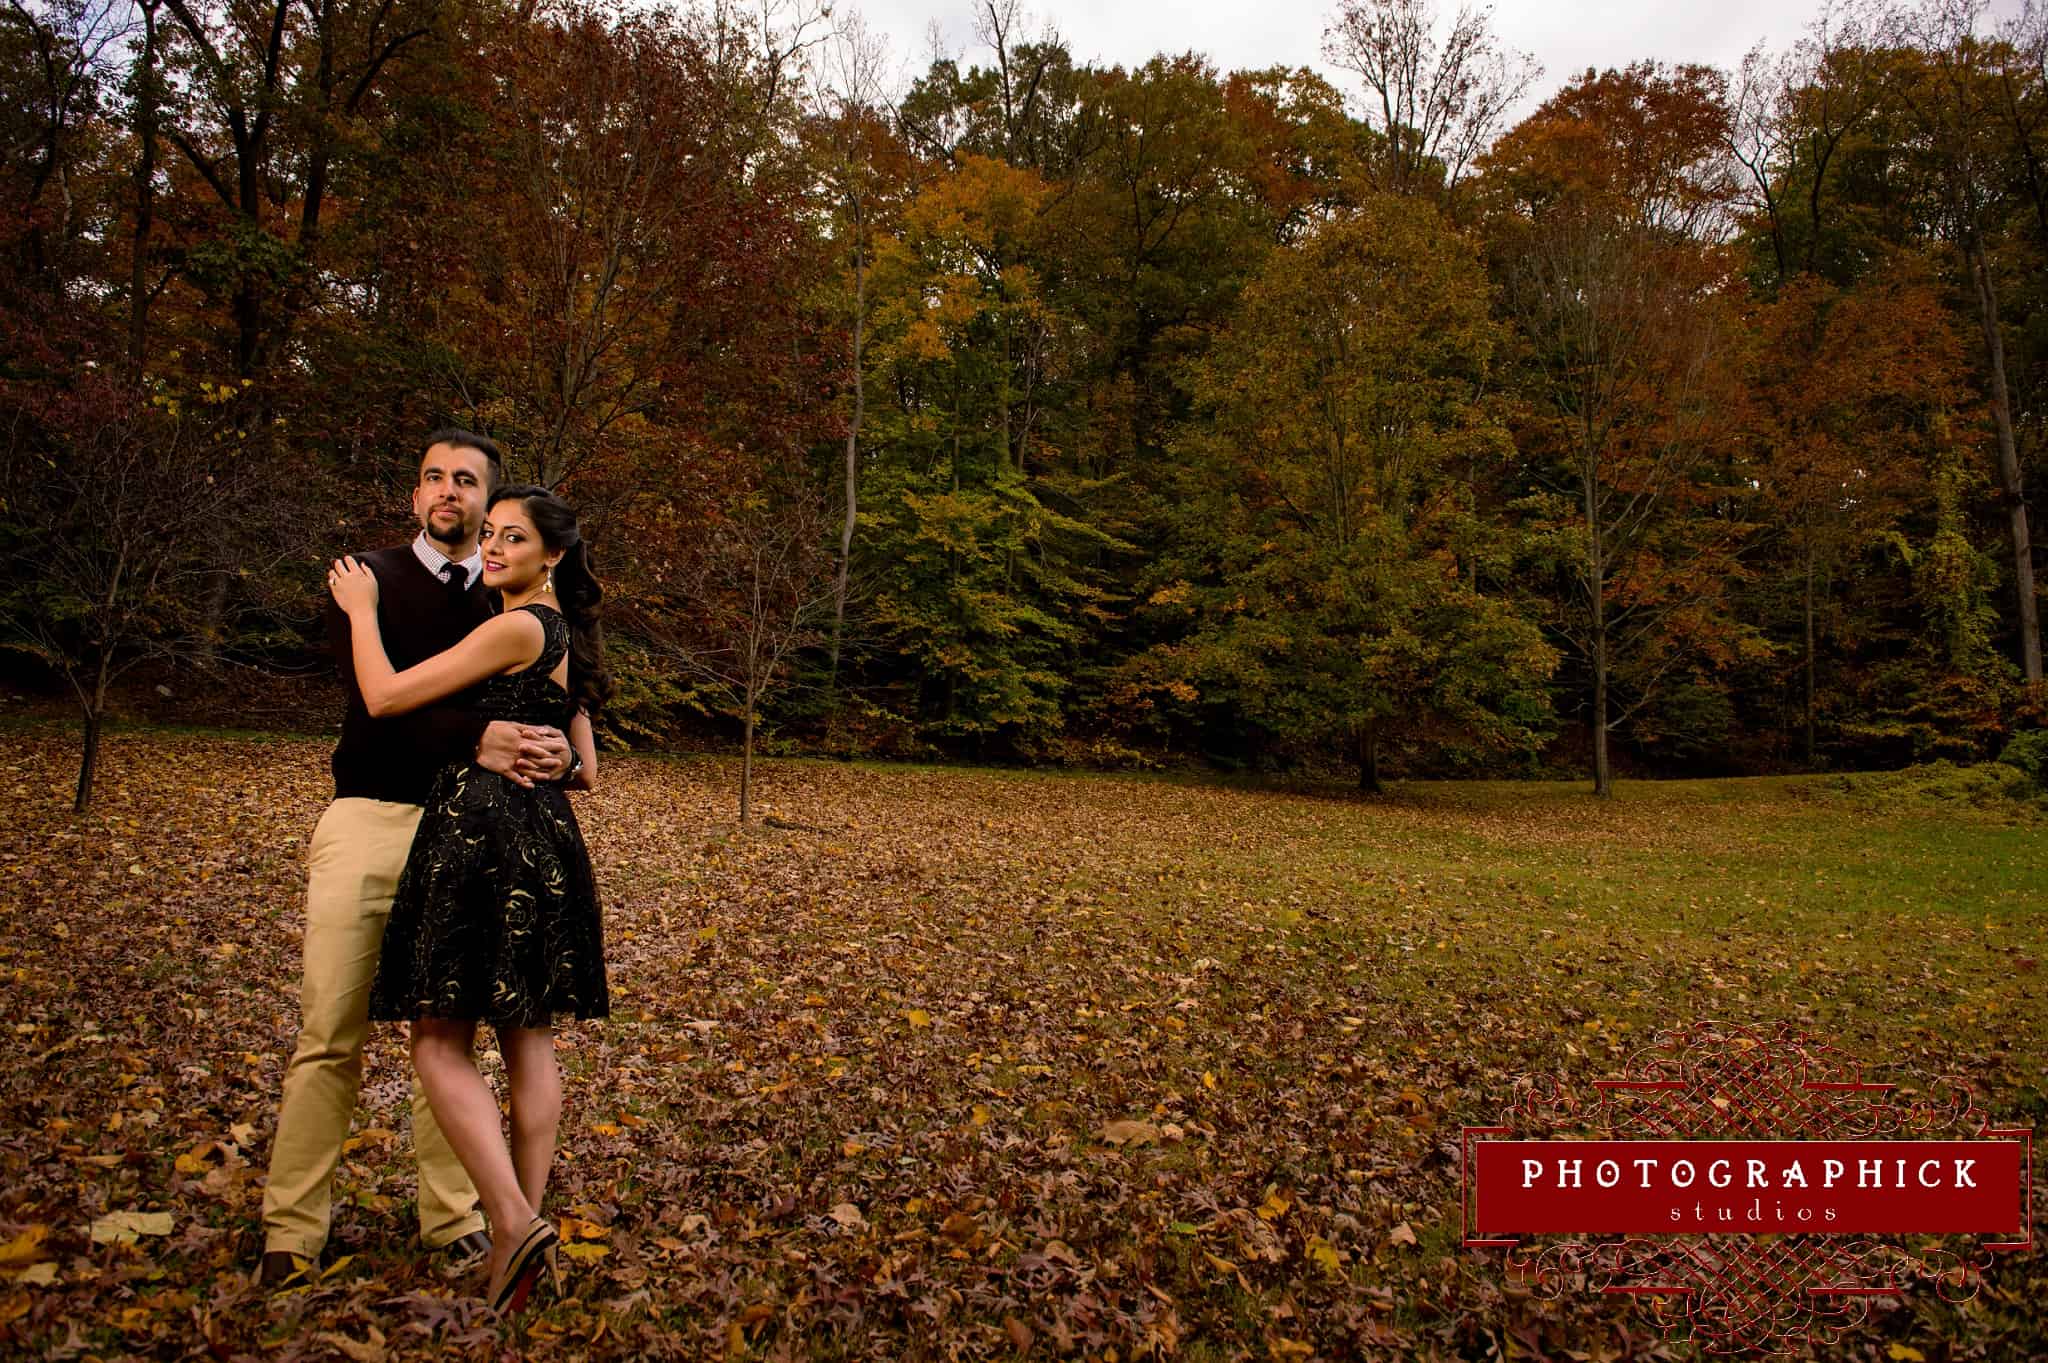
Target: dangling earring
549	585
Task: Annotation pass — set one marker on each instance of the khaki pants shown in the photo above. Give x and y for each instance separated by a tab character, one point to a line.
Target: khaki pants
358	851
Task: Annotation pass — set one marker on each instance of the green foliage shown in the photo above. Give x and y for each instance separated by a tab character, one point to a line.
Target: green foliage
1688	722
647	698
986	553
2027	753
981	600
1949	694
1910	711
1321	587
1952	579
1982	785
247	252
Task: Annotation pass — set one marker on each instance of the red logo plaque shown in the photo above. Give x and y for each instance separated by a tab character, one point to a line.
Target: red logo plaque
1754	1174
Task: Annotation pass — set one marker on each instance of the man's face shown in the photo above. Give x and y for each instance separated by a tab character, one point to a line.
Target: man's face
450	498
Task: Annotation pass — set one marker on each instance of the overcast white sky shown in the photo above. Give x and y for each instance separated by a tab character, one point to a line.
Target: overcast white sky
1566	36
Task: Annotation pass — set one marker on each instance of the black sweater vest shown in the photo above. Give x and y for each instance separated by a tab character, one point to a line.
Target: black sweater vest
395	758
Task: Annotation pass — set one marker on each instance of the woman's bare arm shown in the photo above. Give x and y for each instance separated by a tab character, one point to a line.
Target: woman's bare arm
584	739
499	644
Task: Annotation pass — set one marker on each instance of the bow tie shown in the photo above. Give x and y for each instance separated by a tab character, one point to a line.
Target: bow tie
456	577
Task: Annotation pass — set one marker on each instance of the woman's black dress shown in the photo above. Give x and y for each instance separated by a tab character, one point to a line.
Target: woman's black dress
496	915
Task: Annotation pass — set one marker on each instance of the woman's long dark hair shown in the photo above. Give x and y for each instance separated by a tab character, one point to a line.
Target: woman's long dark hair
590	683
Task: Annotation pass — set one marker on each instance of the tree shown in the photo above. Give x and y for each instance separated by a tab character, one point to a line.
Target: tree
1335	586
751	598
1153	233
270	98
1646	146
147	83
1436	103
1618	185
1020	109
56	64
981	580
864	170
1793	125
1630	354
621	201
114	503
623	290
1850	387
1954	94
2023	102
1936	686
1305	157
1020	71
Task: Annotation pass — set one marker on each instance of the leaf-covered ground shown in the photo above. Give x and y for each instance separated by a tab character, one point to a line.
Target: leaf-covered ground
977	1064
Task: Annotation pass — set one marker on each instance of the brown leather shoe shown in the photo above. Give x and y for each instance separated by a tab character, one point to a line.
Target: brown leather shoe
464	1253
282	1270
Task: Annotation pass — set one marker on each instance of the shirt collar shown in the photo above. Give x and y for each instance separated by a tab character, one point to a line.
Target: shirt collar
424	550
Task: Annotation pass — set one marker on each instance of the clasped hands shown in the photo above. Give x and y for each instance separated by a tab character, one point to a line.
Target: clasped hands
523	753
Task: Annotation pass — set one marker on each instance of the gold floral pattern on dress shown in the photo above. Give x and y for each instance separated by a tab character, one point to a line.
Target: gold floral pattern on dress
496	917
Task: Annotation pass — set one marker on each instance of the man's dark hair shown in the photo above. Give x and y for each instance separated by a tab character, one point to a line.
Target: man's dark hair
468	440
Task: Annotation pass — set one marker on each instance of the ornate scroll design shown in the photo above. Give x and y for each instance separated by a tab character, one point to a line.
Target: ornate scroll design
1747	1294
1742	1294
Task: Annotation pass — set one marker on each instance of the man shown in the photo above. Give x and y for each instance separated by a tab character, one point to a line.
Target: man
429	599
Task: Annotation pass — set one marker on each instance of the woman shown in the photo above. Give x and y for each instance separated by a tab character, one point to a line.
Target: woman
496	916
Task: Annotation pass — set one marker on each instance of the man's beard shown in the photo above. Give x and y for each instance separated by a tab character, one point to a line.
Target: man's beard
453	535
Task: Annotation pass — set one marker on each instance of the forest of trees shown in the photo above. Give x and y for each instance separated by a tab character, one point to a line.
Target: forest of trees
1676	419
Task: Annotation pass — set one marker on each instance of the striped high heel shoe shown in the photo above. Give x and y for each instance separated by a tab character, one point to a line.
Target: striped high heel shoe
535	1252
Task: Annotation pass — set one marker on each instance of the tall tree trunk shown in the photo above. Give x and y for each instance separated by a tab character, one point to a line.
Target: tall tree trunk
1003	411
88	760
1596	591
953	556
2008	459
145	195
1603	776
323	135
95	708
248	311
1003	398
852	469
1602	772
747	764
1809	668
1369	756
2030	156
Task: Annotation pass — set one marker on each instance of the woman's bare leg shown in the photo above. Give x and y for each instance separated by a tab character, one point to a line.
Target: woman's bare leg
443	1056
536	1083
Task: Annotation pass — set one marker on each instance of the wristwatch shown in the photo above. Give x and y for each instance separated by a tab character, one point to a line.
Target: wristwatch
575	765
